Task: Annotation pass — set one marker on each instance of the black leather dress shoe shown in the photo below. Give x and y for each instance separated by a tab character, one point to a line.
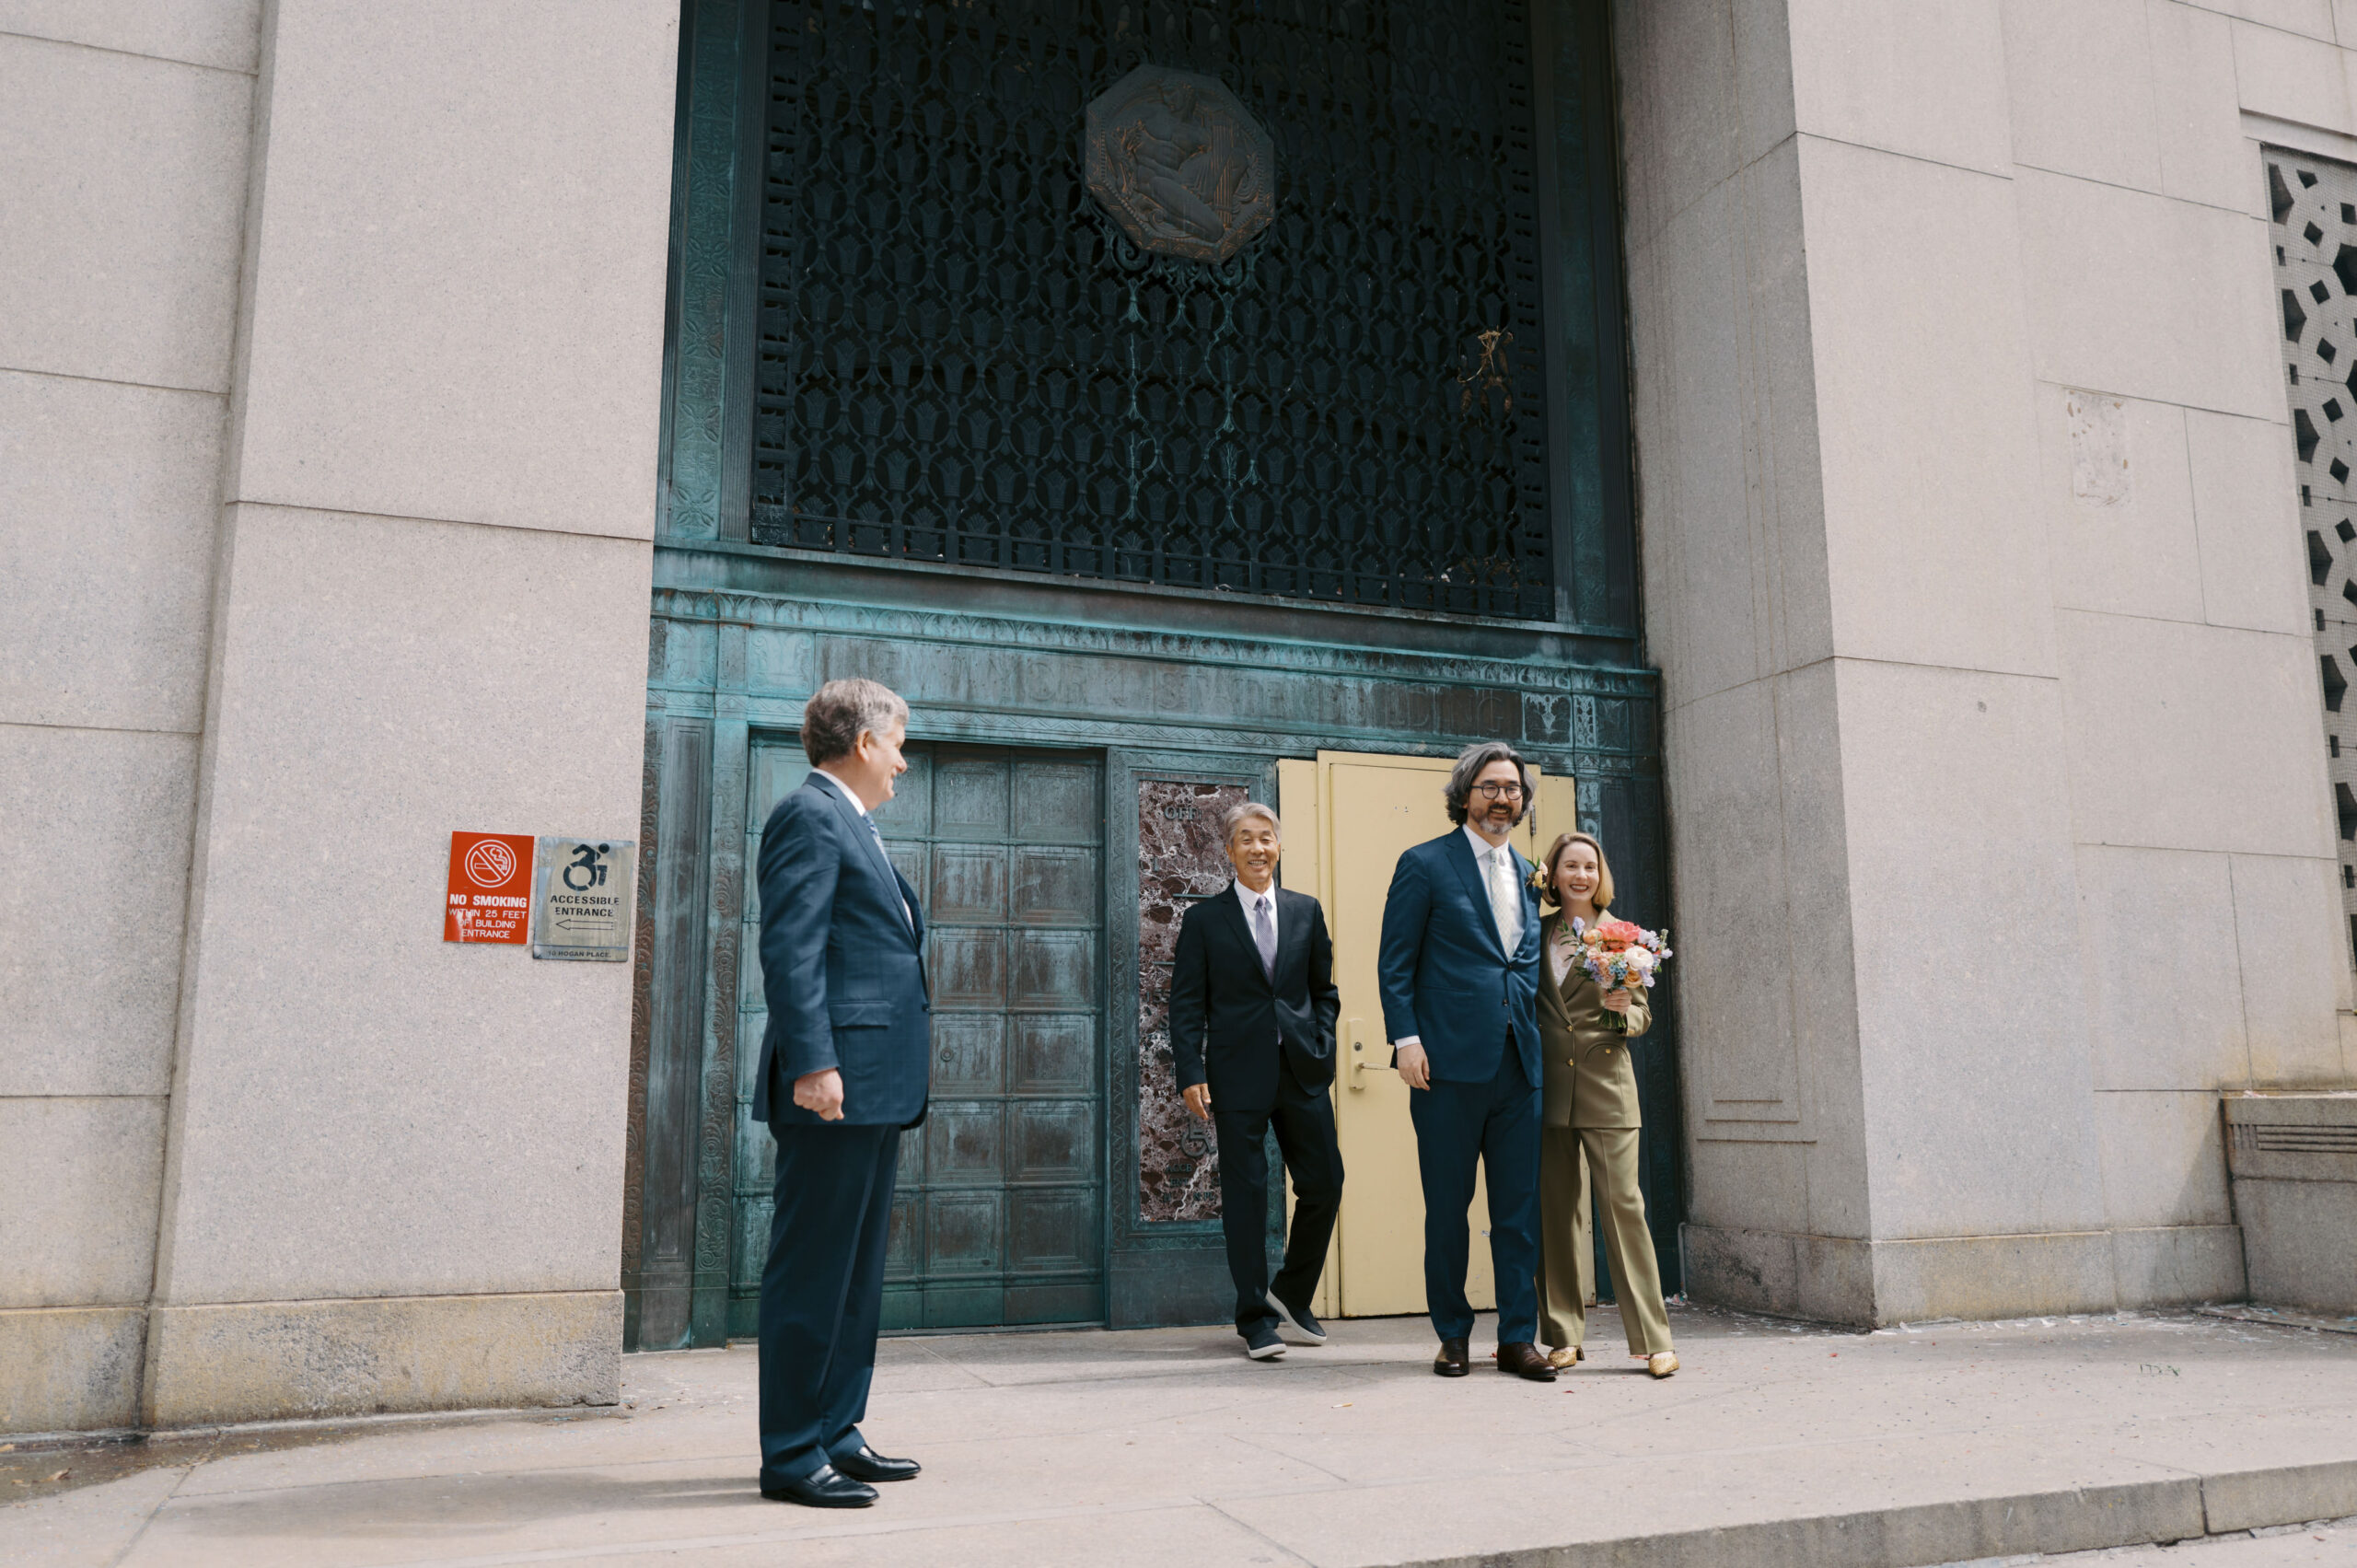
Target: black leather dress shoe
864	1463
1526	1360
1451	1362
825	1487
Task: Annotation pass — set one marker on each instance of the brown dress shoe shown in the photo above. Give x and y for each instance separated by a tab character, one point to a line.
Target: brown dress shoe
1526	1360
1450	1362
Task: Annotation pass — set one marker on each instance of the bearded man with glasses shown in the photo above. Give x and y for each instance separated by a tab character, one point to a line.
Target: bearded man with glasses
1458	972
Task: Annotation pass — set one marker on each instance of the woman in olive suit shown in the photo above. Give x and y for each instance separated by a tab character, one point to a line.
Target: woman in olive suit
1590	1108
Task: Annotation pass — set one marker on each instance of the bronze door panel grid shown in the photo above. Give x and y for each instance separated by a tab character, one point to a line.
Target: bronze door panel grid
1001	1189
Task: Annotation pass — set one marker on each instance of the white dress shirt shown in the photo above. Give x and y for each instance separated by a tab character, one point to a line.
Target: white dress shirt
1497	867
1247	898
1488	858
841	787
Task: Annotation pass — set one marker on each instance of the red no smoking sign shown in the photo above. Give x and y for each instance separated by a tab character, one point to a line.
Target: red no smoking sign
491	889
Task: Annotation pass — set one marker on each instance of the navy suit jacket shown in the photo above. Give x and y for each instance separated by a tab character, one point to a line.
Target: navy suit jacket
1444	975
843	968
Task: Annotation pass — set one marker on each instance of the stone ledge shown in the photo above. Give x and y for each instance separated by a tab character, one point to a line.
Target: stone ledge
70	1368
1846	1280
2177	1265
271	1360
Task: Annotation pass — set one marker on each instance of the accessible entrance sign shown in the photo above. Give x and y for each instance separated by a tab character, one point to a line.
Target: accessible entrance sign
489	894
581	904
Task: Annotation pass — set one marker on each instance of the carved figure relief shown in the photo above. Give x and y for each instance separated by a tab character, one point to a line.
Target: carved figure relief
1183	168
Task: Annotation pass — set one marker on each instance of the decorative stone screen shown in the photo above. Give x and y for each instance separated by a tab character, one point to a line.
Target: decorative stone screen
964	359
2314	206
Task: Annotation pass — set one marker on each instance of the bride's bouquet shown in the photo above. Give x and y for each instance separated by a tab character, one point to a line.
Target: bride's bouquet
1619	955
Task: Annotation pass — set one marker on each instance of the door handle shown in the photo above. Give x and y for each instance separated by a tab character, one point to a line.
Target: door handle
1359	1065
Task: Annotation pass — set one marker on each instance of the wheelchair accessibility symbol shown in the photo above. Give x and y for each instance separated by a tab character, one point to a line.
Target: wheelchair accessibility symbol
588	869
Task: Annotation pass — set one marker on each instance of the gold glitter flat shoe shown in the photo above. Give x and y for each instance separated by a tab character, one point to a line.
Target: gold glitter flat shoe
1559	1359
1662	1363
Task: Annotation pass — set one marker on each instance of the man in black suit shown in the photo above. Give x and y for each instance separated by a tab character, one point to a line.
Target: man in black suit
843	1071
1252	1010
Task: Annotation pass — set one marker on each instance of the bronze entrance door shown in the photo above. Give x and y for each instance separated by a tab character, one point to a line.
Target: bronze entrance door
1000	1213
1189	386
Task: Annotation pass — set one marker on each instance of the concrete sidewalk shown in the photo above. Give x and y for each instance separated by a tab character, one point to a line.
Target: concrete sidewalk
1777	1445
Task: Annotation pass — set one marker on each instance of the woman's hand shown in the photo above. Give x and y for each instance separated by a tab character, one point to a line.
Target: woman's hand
1617	1000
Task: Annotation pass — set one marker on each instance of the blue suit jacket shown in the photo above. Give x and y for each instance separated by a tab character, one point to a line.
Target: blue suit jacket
841	967
1442	974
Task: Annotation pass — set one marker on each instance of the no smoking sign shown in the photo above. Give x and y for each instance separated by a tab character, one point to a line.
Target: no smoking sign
490	896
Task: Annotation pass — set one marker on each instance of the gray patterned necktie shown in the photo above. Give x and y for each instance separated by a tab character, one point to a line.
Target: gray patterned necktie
878	833
1264	935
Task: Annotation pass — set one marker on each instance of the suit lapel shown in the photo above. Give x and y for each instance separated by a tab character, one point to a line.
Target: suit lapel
857	826
1549	990
909	897
1523	872
1293	925
1460	854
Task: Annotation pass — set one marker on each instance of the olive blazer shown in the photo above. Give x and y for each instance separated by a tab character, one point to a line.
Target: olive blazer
1589	1079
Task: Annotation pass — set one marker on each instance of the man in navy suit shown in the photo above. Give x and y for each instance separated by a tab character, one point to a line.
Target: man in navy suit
1458	972
1253	1009
843	1071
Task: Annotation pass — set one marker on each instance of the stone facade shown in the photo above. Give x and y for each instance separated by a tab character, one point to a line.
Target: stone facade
1997	786
329	405
327	453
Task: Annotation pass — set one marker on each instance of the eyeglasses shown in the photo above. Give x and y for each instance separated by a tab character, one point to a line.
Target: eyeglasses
1499	790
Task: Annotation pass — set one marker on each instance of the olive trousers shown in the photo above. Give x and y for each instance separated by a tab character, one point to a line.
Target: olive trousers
1569	1186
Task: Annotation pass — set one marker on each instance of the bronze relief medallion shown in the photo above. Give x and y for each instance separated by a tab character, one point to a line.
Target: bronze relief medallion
1180	163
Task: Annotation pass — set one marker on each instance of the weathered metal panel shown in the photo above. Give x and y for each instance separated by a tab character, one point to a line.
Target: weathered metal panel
1161	684
676	892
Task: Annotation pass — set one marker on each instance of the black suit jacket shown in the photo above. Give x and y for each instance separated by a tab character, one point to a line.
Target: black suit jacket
1229	1025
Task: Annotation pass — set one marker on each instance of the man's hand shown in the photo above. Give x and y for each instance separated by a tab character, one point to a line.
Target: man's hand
821	1092
1415	1070
1617	1000
1199	1100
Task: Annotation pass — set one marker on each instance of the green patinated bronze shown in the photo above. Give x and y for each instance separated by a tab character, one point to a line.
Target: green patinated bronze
1154	682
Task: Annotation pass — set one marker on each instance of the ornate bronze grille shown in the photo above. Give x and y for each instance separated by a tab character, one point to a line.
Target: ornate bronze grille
964	360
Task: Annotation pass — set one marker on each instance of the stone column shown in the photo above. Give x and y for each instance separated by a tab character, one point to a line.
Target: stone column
1976	789
122	150
393	1169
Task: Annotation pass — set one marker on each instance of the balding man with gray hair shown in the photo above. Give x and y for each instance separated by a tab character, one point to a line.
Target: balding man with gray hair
1252	1010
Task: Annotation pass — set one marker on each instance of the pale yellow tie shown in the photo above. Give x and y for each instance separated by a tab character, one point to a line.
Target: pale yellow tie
1505	907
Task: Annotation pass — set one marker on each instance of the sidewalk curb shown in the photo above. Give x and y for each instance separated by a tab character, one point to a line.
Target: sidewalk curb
2134	1514
2292	1494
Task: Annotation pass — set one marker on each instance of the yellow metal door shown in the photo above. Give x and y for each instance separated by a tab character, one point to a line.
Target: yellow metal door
1348	817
